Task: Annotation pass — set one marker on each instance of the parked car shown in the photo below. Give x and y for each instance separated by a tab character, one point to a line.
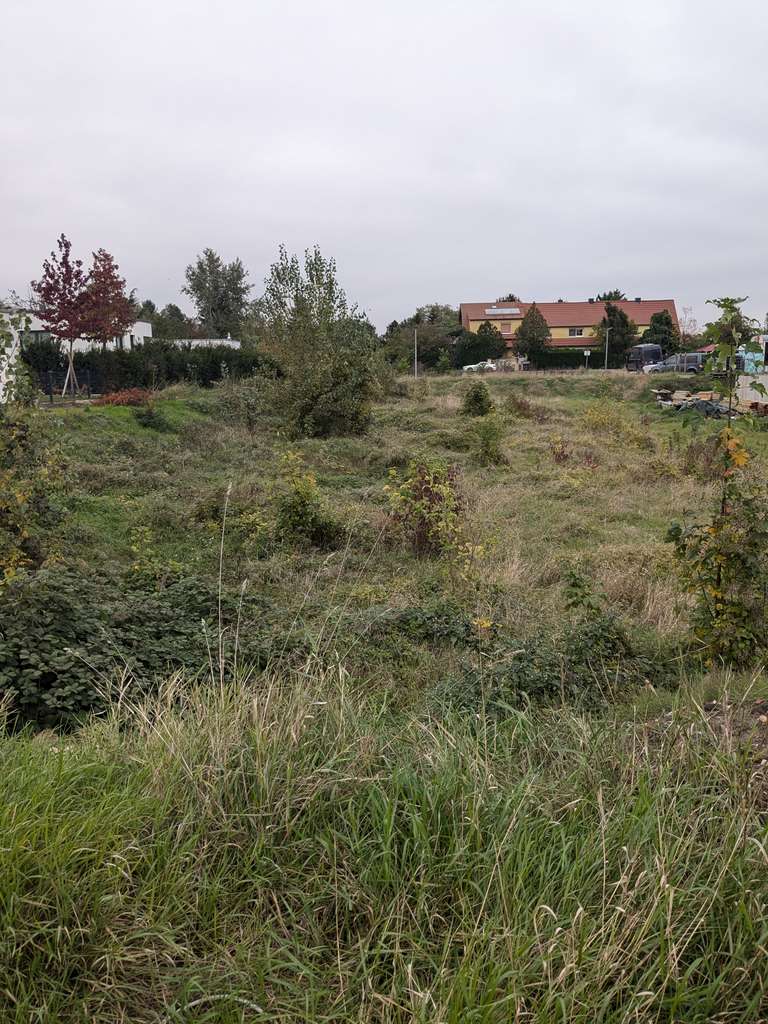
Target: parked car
682	362
644	355
487	364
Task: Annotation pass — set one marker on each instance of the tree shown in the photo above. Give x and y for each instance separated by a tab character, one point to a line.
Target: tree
509	297
487	343
437	326
309	297
171	324
146	311
615	295
623	331
689	330
532	336
324	347
60	300
662	331
219	291
446	318
109	311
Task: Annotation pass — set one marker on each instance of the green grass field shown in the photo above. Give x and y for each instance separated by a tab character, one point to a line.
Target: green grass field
361	826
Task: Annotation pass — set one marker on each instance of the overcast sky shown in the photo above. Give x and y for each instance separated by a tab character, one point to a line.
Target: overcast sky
441	151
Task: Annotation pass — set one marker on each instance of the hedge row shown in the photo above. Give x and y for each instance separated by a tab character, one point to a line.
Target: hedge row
568	359
152	364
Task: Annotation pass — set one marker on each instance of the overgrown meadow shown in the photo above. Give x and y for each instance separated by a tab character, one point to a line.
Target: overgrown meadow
405	726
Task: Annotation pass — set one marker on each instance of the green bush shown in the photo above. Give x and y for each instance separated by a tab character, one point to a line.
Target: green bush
426	506
151	417
329	395
155	363
64	632
477	400
487	439
587	662
30	473
300	514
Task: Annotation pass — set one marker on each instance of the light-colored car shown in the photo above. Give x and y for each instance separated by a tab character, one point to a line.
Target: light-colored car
488	364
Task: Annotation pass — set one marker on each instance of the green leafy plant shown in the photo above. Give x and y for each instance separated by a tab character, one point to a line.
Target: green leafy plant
65	633
477	400
301	516
151	417
487	441
426	507
31	470
724	562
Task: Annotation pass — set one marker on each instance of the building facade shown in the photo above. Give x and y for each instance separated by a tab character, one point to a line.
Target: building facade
571	324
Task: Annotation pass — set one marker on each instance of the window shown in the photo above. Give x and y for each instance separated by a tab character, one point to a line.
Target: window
575	332
506	326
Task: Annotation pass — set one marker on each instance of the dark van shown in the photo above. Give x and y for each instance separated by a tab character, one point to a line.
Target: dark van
643	355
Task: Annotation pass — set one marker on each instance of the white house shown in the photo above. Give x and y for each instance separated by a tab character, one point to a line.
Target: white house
138	332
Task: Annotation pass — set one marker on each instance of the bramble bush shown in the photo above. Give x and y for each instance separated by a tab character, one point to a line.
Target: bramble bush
590	660
65	632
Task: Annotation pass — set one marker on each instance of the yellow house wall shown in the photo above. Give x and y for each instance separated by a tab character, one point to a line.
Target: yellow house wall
556	332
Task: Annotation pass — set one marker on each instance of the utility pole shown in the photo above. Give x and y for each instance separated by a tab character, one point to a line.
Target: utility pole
415	352
608	330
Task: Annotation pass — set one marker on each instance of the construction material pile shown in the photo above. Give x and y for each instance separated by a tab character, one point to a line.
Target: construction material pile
708	403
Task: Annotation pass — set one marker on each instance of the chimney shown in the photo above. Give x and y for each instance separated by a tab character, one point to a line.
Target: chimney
638	299
591	300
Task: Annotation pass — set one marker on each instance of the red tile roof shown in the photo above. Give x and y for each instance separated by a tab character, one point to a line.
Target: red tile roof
566	314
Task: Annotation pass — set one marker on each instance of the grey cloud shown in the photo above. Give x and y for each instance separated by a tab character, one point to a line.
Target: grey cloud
441	151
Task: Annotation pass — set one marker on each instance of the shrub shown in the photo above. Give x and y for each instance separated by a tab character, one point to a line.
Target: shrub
151	417
588	659
154	363
128	396
518	406
487	438
300	515
560	449
702	458
477	400
330	394
30	472
724	565
63	632
426	507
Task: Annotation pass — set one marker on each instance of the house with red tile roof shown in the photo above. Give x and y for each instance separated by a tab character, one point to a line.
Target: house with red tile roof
571	324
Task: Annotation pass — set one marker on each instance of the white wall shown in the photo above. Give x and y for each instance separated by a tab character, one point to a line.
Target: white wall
137	333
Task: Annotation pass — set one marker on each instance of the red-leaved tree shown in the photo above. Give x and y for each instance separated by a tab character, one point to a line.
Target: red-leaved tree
60	298
109	311
73	303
